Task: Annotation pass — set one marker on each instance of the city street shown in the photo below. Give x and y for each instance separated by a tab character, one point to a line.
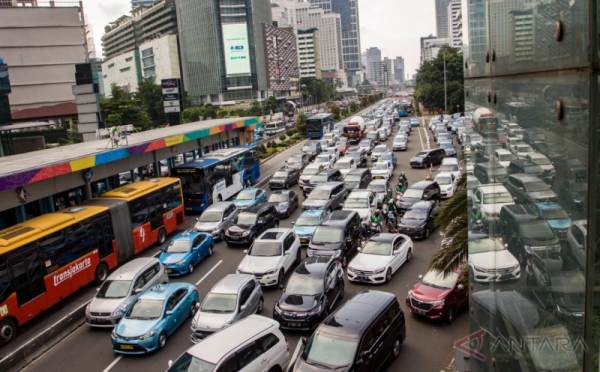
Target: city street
428	344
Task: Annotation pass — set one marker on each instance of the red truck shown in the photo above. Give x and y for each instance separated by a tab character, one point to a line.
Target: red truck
354	130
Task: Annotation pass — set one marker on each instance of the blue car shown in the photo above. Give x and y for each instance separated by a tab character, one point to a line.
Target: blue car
307	223
389	157
257	138
558	219
185	251
249	197
155	315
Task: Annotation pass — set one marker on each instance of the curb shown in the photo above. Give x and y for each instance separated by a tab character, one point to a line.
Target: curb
264	181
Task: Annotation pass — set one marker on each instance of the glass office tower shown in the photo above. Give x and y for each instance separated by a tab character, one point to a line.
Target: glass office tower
532	96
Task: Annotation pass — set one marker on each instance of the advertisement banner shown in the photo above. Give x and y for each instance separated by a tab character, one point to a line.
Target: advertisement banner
169	83
170	90
170	97
235	45
171	103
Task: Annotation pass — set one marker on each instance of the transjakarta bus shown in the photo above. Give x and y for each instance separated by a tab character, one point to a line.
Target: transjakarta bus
317	124
218	176
47	258
274	127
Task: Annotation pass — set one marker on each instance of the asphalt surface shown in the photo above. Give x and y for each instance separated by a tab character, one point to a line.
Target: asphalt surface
428	346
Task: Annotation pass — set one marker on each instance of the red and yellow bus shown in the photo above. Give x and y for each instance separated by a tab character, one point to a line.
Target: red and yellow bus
47	258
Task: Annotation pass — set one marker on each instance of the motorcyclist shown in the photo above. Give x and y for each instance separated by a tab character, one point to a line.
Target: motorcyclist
391	208
376	218
392	226
427	178
365	231
401	187
402	178
475	214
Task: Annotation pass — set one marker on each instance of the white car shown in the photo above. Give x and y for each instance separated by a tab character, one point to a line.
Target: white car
447	183
521	151
388	128
326	160
378	150
490	261
380	258
382	169
366	144
504	157
309	171
511	128
271	256
333	151
383	134
331	138
345	165
542	161
450	165
489	200
364	202
400	142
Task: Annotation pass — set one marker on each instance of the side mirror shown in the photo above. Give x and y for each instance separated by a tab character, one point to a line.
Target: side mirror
303	339
280	286
138	291
261	221
396	252
98	289
287	253
162	249
169	313
197	305
243	307
420	277
170	363
197	218
293	223
245	251
366	354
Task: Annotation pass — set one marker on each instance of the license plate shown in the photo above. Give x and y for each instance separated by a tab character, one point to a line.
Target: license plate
240	210
294	324
303	241
126	347
419	311
234	237
362	278
169	271
378	177
188	209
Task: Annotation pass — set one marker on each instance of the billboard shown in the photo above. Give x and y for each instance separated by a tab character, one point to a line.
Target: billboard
235	46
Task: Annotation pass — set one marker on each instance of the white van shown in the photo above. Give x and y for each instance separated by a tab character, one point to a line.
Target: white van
504	157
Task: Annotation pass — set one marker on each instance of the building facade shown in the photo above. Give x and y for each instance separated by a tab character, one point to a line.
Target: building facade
442	26
309	53
431	47
455	23
399	69
281	56
136	3
373	55
423	40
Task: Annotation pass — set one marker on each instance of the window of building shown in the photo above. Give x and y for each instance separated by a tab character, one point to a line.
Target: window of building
149	72
125	69
146	62
147	52
111	65
129	59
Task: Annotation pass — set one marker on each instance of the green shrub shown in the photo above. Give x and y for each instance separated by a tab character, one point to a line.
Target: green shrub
262	149
289	132
282	137
282	144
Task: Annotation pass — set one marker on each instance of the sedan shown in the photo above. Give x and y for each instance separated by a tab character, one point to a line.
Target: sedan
448	184
283	178
153	317
326	160
333	151
382	169
400	142
490	261
419	220
381	256
378	150
185	251
389	157
249	197
342	146
307	223
298	161
285	202
449	148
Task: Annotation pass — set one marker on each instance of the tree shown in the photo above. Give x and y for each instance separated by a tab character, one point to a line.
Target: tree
122	105
335	110
366	82
271	104
317	89
221	113
192	114
255	109
150	95
430	80
301	123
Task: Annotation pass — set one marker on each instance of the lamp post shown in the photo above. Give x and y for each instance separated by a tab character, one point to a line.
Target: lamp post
445	91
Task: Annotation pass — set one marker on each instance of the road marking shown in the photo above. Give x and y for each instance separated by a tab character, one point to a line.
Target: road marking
113	363
421	138
208	273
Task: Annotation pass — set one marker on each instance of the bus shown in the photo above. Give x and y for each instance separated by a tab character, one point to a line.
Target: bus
45	259
318	124
274	127
403	110
217	176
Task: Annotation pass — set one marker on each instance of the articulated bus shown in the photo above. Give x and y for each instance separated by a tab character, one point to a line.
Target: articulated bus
318	124
45	259
218	176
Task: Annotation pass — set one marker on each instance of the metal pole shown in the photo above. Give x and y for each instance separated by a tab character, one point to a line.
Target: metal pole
445	92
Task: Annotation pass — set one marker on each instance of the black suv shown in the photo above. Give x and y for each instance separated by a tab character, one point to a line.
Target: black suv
283	178
511	215
337	237
531	237
285	202
490	173
310	294
251	223
529	189
359	155
373	326
358	179
527	167
424	190
328	175
425	158
534	139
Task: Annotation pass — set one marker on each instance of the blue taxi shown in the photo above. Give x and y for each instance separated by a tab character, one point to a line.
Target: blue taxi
249	197
389	157
558	219
185	251
307	223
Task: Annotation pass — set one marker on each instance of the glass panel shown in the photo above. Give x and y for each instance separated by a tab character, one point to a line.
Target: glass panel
476	38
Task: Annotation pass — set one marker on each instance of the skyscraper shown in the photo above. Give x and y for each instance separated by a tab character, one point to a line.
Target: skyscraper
399	69
441	18
373	56
222	49
455	23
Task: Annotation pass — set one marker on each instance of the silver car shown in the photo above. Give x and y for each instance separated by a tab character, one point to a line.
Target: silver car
122	288
233	298
329	196
216	219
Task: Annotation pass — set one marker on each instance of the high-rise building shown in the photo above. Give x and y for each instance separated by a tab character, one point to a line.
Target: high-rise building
455	23
478	33
399	69
373	56
431	48
441	18
499	36
423	40
222	49
281	57
136	3
309	53
521	27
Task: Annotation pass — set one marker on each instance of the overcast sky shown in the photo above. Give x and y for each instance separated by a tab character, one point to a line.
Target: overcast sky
394	26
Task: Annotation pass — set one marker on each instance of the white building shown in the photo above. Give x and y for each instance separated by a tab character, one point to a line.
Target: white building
373	57
522	33
309	63
431	48
455	23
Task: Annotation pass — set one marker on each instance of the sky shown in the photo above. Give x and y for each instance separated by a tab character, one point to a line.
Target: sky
394	26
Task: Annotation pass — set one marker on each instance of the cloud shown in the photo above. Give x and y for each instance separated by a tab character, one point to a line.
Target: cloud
100	13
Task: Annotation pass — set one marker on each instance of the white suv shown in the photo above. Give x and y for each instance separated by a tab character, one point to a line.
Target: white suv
364	202
254	344
271	256
309	171
490	199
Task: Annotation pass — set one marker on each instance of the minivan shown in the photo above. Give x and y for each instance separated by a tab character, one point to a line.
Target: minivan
425	158
216	219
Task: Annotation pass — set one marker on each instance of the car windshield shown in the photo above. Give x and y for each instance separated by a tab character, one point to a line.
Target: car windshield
476	137
380	166
265	249
210	217
541	161
319	178
279	197
294	160
497	197
449	168
446	145
415	214
307	221
280	175
353	178
341	145
342	165
246	195
308	148
443	180
328	234
422	154
379	149
189	363
319	195
485	245
377	187
413	193
506	157
524	149
437	279
356	203
472	183
536	186
145	309
386	156
114	289
365	144
304	285
219	303
331	351
322	159
245	218
533	169
536	230
399	139
178	246
554	214
377	248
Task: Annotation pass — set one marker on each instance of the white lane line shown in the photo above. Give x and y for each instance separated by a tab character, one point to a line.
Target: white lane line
208	273
421	138
113	363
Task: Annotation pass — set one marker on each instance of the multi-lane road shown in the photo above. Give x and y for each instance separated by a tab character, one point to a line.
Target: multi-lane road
428	345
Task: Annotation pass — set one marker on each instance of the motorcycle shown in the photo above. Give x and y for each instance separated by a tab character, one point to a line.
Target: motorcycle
477	225
376	227
403	181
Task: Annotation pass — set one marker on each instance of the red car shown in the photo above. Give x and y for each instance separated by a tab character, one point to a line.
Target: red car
438	297
342	147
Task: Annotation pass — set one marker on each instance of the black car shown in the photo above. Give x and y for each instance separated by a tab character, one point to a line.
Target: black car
424	190
285	202
425	158
359	155
332	241
419	221
534	139
363	335
328	175
312	149
358	179
297	162
557	283
527	167
310	294
251	223
283	178
491	172
484	152
531	237
529	189
575	193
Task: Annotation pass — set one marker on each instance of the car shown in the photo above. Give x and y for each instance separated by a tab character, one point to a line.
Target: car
154	316
524	166
419	221
363	335
297	162
362	201
504	157
333	151
530	238
513	141
326	160
573	169
121	289
383	134
308	173
185	251
490	172
217	218
357	179
271	255
330	138
400	142
450	165
380	257
285	202
249	197
438	296
388	157
373	136
405	128
543	162
342	146
577	242
306	224
381	188
557	217
490	261
343	246
521	151
251	223
252	344
489	200
367	145
428	157
233	298
359	155
443	137
327	175
378	150
345	165
448	147
472	184
526	188
382	170
534	138
310	294
447	183
283	178
328	196
575	193
311	149
423	190
415	122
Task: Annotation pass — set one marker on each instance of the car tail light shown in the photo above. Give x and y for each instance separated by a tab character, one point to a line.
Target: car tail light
164	270
287	344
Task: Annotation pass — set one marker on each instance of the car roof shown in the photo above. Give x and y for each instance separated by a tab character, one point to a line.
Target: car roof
328	185
548	205
131	268
421	185
287	192
220	344
219	206
523	177
520	209
358	171
250	189
383	237
492	189
344	160
257	208
358	193
315	212
231	283
275	234
378	181
162	291
313	165
337	218
328	171
536	155
423	204
313	266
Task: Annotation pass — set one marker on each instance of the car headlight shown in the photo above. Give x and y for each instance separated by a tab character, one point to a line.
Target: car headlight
351	269
182	262
316	310
87	309
273	271
148	335
120	310
379	271
310	253
480	269
439	303
555	247
336	253
577	201
277	308
528	249
114	333
246	233
193	323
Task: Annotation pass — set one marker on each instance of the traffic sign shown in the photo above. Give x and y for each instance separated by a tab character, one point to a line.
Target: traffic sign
171	103
170	97
172	109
